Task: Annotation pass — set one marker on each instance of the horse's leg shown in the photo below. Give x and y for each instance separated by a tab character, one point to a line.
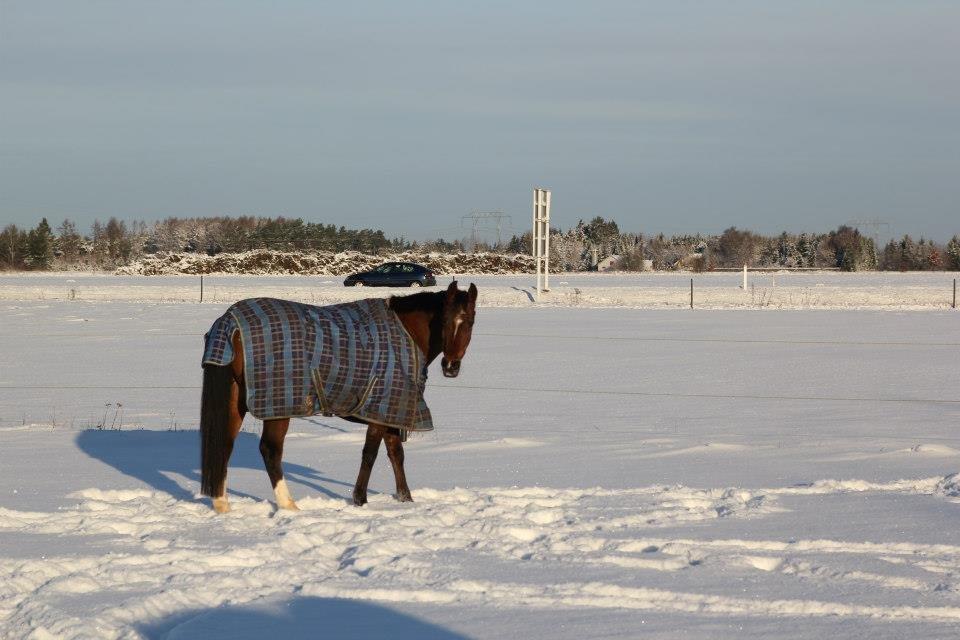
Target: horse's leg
236	408
271	448
369	456
395	452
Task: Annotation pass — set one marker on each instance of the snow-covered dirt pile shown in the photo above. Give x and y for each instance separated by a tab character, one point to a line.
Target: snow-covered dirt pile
269	262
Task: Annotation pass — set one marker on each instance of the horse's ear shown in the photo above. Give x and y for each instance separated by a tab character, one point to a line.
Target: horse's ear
452	290
472	292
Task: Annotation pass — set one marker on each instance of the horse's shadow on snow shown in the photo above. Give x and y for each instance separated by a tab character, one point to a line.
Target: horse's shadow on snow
299	618
157	458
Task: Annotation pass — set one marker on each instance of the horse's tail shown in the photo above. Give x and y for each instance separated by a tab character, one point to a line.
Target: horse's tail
215	441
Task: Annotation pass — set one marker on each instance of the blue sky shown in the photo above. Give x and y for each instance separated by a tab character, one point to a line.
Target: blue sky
666	116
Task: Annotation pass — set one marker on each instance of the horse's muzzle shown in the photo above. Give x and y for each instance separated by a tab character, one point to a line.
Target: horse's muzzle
450	369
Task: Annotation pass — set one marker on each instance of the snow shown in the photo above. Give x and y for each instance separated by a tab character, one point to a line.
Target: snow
595	472
648	290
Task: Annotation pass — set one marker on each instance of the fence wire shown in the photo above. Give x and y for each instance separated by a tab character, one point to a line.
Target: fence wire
514	389
530	336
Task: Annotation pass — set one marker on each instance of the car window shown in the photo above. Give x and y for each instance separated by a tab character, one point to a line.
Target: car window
384	268
406	268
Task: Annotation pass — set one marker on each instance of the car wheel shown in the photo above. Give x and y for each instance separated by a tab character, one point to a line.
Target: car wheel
415	284
358	284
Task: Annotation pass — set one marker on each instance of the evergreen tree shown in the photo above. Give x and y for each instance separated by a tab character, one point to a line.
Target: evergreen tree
40	246
99	241
118	242
805	251
953	254
909	254
866	255
852	251
890	258
69	242
785	251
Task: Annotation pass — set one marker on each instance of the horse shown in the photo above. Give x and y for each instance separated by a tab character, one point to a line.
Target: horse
434	322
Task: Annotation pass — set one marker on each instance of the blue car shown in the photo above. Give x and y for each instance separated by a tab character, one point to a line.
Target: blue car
393	274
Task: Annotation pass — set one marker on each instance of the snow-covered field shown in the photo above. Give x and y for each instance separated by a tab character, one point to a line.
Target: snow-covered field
595	472
653	290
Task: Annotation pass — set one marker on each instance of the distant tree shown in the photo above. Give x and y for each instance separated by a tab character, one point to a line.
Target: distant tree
601	232
784	251
13	247
40	246
868	259
519	243
890	257
934	259
234	235
69	243
737	248
443	246
99	247
804	251
953	254
568	251
851	250
631	259
119	246
603	236
909	254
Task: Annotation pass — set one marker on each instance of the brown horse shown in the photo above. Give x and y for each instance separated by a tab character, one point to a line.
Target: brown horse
440	322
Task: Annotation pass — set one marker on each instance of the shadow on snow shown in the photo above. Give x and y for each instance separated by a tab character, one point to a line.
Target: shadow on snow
298	618
154	456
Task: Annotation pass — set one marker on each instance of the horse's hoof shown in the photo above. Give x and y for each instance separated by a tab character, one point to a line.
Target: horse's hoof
359	500
220	505
282	493
404	497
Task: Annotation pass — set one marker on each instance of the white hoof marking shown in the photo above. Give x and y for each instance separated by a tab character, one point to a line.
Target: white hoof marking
284	500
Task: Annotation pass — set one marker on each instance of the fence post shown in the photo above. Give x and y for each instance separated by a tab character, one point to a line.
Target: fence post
201	288
691	293
954	293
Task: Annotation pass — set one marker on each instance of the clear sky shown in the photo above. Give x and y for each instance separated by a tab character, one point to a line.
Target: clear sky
667	116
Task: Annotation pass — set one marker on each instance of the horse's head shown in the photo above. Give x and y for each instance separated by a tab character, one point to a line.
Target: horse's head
459	308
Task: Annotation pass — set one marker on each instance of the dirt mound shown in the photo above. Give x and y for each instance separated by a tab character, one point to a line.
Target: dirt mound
267	262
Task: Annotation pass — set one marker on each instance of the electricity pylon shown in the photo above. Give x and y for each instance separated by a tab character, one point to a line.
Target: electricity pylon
481	221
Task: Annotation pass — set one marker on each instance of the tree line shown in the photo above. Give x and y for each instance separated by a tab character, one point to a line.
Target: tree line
582	247
587	244
115	243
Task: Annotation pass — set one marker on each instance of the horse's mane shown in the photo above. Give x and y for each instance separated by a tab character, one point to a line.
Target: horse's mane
424	301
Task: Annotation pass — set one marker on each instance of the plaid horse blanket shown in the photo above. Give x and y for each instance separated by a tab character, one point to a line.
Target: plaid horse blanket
349	360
